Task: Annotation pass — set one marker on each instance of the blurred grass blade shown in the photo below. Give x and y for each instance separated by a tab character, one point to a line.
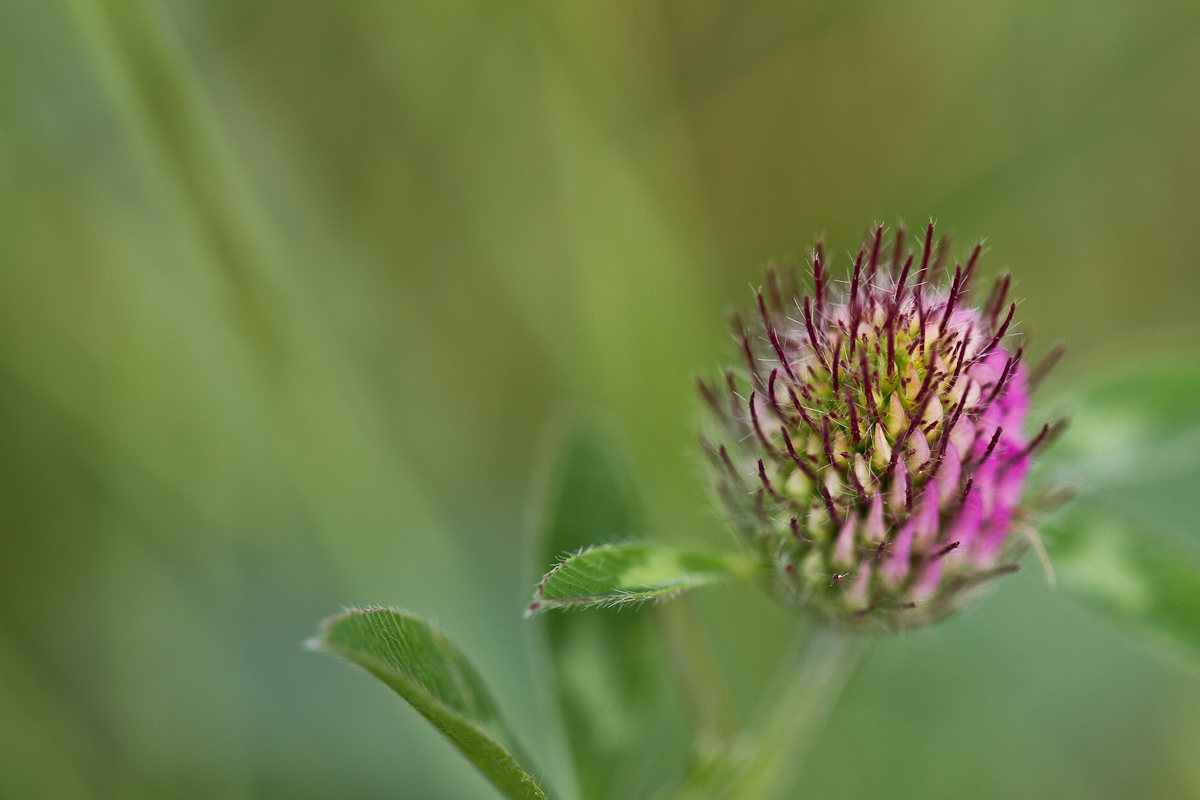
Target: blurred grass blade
1129	544
606	667
616	574
427	670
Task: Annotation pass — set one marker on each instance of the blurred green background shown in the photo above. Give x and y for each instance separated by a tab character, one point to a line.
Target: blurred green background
291	293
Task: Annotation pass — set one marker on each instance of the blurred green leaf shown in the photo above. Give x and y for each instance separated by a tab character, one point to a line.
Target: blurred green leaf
1132	573
606	666
616	574
1134	427
427	670
1129	543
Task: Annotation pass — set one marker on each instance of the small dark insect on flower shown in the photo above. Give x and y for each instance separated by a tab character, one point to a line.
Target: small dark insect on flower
876	433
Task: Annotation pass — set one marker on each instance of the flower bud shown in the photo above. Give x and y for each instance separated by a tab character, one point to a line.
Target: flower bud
872	448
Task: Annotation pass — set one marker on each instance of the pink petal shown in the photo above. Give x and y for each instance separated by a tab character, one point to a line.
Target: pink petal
895	570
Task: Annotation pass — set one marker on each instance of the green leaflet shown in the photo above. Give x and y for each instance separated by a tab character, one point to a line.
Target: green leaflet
606	668
1135	427
1129	544
427	670
1135	575
615	574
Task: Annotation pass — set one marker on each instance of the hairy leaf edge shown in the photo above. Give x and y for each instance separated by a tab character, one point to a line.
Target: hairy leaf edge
740	568
434	710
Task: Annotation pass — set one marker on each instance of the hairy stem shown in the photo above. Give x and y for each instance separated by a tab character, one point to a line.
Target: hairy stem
796	717
763	762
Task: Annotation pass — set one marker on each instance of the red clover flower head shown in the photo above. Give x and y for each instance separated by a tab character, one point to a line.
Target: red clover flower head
873	449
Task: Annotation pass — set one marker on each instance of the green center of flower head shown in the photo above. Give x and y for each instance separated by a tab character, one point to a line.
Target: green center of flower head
872	449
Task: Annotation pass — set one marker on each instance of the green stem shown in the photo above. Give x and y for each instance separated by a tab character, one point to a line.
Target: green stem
765	761
794	720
